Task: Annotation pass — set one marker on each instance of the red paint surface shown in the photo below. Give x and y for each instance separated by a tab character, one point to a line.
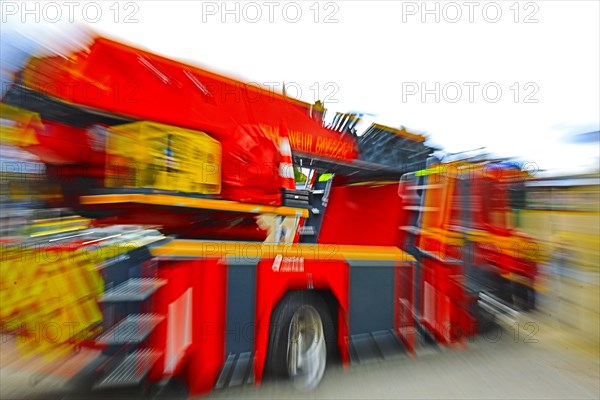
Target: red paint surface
206	354
272	286
185	223
62	144
451	321
363	215
126	81
209	282
177	274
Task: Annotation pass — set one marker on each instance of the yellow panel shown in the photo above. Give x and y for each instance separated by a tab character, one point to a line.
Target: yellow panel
21	131
152	155
42	291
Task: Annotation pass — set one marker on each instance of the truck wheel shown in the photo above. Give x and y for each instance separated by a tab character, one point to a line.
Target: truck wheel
301	332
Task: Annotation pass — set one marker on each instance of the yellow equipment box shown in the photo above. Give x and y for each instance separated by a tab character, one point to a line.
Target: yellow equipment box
18	127
157	156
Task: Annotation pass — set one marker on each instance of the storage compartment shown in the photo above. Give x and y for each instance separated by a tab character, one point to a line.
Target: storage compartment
156	156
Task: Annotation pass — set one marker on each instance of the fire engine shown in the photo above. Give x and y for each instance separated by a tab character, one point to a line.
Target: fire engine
190	251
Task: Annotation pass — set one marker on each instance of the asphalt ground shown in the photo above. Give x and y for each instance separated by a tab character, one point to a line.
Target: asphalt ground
540	360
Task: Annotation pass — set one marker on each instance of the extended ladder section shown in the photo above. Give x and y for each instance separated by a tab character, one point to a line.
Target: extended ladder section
395	148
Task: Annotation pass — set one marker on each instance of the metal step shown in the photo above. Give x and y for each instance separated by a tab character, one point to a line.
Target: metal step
368	347
133	329
134	289
225	374
131	371
237	370
389	345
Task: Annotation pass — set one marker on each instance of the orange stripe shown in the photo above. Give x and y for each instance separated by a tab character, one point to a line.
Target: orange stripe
179	201
253	250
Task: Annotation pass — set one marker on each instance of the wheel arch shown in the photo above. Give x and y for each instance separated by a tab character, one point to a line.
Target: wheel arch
327	278
323	301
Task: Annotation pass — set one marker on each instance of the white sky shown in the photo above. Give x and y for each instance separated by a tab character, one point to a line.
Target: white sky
376	49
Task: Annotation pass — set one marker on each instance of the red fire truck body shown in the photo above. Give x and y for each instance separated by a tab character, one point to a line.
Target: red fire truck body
385	255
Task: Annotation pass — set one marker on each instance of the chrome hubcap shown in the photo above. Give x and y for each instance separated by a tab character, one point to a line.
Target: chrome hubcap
307	353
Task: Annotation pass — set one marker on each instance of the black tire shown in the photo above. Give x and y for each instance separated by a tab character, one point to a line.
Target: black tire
281	319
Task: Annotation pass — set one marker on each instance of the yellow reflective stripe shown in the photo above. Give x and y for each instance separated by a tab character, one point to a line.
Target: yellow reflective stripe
195	248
